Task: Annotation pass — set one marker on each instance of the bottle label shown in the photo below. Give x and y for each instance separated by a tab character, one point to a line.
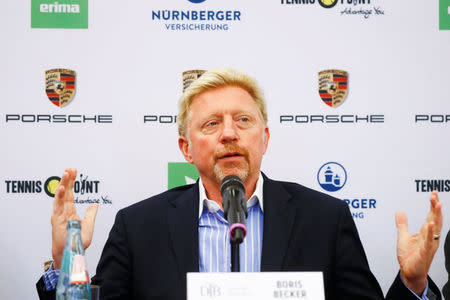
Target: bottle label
79	272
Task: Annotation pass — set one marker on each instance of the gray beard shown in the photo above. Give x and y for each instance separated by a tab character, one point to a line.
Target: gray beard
241	173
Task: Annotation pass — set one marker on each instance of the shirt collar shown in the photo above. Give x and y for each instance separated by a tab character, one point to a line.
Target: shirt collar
212	206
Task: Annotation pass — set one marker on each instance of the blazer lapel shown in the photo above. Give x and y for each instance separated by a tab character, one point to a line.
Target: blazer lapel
183	227
279	215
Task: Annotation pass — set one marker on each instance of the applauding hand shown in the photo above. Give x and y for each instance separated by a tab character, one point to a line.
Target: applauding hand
64	210
415	252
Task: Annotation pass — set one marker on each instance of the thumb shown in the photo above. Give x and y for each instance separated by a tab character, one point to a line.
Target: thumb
402	224
87	225
429	235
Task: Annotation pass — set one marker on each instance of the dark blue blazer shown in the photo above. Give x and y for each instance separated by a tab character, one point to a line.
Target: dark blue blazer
154	243
446	288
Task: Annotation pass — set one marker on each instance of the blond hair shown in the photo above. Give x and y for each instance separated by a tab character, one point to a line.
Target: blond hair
215	79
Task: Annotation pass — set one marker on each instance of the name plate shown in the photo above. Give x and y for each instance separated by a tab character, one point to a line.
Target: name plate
260	286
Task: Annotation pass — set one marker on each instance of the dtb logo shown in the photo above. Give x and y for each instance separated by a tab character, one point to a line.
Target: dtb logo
210	290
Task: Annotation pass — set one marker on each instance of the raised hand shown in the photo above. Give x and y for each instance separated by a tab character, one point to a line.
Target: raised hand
415	252
64	210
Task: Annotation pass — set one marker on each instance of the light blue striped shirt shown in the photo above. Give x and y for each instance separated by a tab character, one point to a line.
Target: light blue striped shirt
214	239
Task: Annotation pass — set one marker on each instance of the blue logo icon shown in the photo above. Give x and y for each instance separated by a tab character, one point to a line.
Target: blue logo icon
332	176
196	1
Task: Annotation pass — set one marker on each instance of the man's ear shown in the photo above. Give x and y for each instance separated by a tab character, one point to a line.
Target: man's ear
183	143
266	136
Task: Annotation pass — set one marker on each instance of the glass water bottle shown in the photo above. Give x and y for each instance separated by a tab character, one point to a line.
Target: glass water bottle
73	281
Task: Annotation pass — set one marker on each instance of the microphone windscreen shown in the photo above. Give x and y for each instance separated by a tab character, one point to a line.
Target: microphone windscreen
232	180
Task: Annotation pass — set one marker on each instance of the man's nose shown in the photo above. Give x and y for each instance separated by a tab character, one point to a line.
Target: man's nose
229	131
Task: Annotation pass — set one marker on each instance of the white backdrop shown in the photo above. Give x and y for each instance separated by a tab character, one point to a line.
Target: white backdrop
129	65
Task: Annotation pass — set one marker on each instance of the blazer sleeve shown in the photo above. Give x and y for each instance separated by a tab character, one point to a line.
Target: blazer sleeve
354	280
113	273
398	290
42	292
446	289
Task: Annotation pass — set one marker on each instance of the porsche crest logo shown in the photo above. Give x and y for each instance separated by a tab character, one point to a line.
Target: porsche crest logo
60	86
333	86
190	76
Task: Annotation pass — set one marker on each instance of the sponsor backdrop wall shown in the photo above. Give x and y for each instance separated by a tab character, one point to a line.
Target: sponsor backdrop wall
357	91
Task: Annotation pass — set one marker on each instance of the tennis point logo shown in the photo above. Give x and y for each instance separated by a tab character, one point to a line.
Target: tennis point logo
444	14
364	8
59	14
87	190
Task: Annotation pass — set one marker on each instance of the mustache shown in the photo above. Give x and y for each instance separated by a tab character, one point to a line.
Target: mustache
231	148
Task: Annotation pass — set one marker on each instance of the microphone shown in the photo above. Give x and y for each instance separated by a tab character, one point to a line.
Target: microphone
235	207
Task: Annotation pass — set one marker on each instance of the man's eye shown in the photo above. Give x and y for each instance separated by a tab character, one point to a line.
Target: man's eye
211	123
244	119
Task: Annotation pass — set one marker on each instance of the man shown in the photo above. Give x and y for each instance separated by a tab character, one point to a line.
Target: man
223	130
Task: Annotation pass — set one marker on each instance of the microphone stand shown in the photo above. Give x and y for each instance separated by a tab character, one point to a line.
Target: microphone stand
235	261
237	234
235	211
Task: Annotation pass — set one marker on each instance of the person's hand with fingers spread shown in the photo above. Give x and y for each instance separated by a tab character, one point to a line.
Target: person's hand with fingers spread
415	252
64	210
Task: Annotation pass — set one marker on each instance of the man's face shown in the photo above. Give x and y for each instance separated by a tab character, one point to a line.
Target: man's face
226	134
